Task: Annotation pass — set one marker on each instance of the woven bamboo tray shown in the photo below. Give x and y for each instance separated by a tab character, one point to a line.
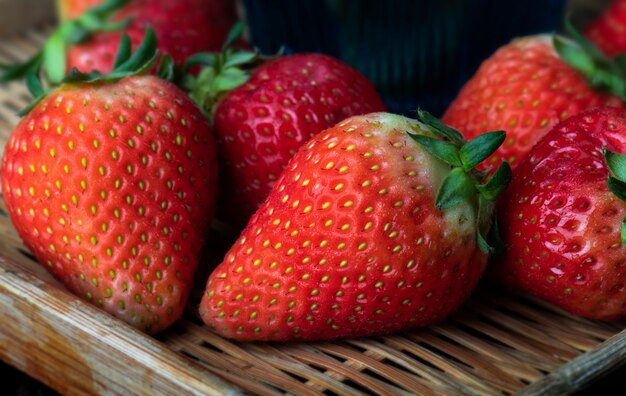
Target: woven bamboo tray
497	343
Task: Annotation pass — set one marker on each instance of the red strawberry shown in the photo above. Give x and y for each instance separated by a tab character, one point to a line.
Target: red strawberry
72	9
560	222
183	28
261	123
349	242
608	31
111	184
525	88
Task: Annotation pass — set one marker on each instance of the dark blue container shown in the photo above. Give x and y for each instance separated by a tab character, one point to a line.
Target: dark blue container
417	53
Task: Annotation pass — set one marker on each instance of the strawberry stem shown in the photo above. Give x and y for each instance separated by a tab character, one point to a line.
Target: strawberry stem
221	72
478	149
464	183
601	72
127	64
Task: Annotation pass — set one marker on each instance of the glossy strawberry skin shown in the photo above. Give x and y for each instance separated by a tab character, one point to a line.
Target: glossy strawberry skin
112	187
261	124
608	31
561	224
183	28
348	243
524	89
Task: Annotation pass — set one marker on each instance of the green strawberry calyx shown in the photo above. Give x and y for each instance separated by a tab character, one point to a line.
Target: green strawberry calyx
221	72
603	73
52	57
616	180
126	64
464	183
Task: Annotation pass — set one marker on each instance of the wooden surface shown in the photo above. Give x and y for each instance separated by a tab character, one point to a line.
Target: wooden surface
80	350
497	343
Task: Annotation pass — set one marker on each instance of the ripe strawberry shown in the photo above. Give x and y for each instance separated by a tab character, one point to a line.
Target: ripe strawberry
183	28
561	224
72	9
349	242
608	31
261	123
111	182
525	88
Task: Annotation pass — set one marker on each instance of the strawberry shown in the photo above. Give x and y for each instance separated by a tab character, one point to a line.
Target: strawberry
365	232
261	123
90	42
183	27
72	9
608	31
562	217
110	182
526	88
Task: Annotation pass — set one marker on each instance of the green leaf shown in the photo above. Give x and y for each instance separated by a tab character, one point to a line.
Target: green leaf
95	23
146	66
617	187
478	149
36	89
439	128
34	84
580	39
123	51
496	185
144	53
581	54
609	81
229	79
75	76
616	163
485	214
482	243
106	26
54	55
574	56
76	35
239	58
201	58
456	188
14	72
90	22
201	89
233	35
447	152
107	7
620	62
166	68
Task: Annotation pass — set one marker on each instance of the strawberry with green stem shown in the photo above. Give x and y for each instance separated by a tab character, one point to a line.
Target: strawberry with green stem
262	112
52	57
89	39
563	218
530	85
110	180
377	225
183	28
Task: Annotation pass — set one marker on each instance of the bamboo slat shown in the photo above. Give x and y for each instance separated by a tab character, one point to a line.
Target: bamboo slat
497	344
